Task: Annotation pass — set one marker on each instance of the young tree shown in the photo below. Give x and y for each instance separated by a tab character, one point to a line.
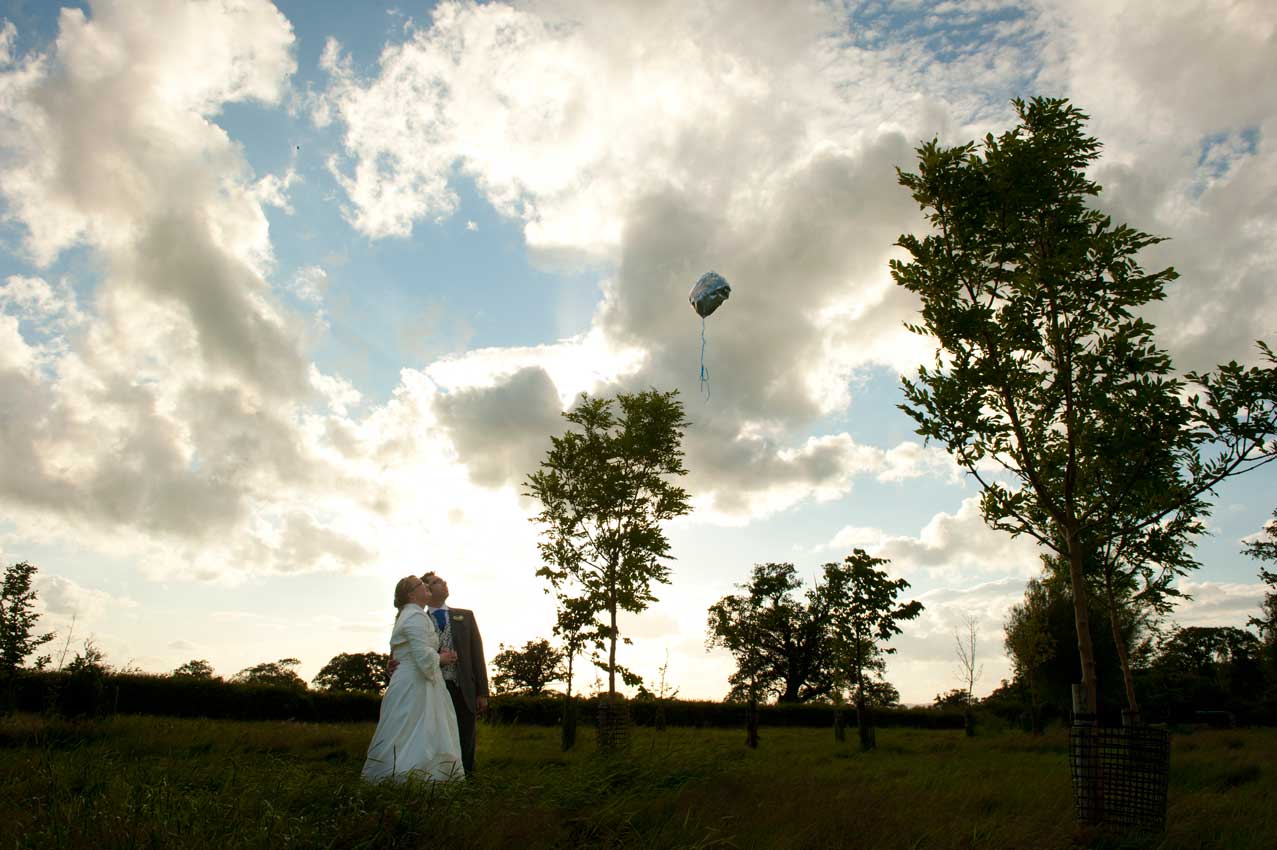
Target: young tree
778	640
576	627
1043	369
91	660
279	673
605	487
18	619
196	668
354	671
965	638
527	670
863	615
1029	642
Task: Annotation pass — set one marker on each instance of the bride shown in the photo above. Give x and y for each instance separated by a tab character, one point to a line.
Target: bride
417	732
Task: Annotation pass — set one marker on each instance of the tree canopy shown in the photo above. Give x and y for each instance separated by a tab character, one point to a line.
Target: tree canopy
528	670
279	673
354	671
778	639
18	619
196	668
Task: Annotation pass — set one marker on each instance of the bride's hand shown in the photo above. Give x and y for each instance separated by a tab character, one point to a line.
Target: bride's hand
447	656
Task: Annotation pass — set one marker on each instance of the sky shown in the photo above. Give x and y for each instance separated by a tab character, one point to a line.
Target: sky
292	297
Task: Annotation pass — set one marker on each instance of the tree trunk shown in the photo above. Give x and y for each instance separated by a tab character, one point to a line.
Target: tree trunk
751	719
1035	719
1123	657
864	725
568	739
1082	622
840	724
611	655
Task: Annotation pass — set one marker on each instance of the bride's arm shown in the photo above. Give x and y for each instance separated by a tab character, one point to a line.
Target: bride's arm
420	648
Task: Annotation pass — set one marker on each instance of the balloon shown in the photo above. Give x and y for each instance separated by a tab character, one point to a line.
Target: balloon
708	293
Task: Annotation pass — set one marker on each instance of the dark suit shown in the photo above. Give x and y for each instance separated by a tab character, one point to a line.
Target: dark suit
472	678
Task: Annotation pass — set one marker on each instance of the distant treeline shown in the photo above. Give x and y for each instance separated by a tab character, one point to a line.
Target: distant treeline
94	693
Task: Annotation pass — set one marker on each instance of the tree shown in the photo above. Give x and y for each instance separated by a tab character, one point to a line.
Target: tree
777	639
576	627
1200	668
1264	548
354	671
196	668
952	698
92	660
527	670
879	693
1044	372
1029	642
864	616
279	673
964	639
605	489
18	619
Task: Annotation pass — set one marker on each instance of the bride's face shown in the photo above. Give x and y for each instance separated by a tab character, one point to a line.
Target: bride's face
420	595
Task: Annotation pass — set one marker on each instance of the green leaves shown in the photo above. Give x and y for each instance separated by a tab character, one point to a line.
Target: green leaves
18	618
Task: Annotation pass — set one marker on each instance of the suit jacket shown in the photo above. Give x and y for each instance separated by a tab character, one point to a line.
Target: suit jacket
472	670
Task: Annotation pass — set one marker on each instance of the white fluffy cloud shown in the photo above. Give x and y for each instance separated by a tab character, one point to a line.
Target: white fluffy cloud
948	546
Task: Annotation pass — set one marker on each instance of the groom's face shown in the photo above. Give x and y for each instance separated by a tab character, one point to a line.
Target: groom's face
438	589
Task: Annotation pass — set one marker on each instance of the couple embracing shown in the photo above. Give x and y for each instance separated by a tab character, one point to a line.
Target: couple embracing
438	685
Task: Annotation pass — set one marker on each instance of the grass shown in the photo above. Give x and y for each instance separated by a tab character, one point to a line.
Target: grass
141	782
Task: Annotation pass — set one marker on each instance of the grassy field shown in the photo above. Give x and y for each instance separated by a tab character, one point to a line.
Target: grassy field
142	782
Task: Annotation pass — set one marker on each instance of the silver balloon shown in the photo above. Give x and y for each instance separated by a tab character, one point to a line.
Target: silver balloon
709	293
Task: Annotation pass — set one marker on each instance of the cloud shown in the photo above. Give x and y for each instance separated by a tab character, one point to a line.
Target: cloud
1218	603
65	598
172	419
503	430
172	412
948	546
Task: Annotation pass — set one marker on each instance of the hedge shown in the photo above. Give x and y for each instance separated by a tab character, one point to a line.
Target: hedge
95	694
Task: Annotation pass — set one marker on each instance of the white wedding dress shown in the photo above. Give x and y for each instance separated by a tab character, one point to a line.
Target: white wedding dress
417	731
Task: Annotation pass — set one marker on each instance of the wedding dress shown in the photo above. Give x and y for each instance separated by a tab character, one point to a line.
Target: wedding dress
417	731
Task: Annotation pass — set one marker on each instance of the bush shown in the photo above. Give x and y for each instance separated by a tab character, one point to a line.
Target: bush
548	711
79	694
83	694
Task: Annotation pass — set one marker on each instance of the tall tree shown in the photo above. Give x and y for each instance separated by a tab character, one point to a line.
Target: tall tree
1043	370
18	619
1029	642
863	615
528	670
354	671
605	487
777	638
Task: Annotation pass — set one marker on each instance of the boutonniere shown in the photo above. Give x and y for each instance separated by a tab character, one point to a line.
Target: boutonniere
458	618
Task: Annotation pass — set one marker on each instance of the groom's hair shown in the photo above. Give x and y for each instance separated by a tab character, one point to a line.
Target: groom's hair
426	577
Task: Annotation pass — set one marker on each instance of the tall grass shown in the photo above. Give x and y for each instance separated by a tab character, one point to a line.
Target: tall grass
138	782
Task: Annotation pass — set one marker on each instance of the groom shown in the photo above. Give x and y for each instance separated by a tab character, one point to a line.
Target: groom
467	680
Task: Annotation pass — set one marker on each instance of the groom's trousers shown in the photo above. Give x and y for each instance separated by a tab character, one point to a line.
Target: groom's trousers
465	726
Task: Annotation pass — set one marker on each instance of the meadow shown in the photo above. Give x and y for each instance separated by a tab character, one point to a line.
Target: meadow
153	782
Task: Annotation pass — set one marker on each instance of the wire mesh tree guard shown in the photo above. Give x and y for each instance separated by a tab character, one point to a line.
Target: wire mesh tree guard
613	718
1119	775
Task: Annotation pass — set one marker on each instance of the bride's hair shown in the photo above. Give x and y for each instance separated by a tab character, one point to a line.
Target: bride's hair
406	585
